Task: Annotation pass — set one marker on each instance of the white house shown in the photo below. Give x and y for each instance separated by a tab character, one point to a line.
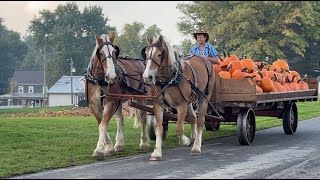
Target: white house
60	93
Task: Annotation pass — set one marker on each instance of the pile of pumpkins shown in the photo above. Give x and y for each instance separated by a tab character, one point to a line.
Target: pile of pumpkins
276	77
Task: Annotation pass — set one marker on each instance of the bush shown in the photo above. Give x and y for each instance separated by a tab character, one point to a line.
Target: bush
83	103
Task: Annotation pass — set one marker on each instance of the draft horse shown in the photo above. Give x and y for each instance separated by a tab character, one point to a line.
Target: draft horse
178	85
108	74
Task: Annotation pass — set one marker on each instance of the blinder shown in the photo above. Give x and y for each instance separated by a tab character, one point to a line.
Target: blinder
143	53
109	43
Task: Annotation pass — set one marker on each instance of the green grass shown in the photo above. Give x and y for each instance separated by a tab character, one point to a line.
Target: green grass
27	110
34	144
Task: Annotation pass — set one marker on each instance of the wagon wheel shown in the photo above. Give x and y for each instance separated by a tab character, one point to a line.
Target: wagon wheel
246	126
152	129
290	118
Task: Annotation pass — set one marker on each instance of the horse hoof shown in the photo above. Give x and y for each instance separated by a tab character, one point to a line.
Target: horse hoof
110	152
155	158
144	147
98	156
195	152
118	148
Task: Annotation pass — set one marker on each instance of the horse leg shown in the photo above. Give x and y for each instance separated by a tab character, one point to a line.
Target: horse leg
196	149
158	112
105	145
193	119
142	118
119	145
182	112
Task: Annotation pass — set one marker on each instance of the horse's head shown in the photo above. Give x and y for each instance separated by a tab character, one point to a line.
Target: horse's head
155	54
107	54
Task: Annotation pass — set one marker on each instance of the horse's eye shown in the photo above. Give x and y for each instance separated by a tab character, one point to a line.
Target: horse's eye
159	55
100	53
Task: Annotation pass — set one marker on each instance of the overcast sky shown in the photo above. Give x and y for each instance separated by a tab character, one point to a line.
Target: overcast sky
18	14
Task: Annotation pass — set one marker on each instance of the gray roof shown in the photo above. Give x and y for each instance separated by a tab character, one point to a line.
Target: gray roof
28	77
63	85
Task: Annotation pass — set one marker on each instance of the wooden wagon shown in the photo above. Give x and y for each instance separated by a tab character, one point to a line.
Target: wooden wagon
236	100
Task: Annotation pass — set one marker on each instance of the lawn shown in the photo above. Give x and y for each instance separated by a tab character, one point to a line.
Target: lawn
31	144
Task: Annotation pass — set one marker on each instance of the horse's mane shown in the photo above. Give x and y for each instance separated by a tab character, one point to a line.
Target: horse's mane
171	56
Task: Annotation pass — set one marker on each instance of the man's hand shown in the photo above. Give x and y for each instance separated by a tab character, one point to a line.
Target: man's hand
214	60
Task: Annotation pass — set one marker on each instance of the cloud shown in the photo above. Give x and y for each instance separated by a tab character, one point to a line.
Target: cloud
33	7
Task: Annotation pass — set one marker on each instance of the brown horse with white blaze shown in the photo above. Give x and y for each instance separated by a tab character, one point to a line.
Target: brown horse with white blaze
178	84
108	74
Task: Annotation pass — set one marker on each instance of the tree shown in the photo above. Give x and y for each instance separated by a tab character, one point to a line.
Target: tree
277	29
12	50
34	58
133	38
67	33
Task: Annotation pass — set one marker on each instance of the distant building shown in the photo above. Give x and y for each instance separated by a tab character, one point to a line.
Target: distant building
26	90
60	93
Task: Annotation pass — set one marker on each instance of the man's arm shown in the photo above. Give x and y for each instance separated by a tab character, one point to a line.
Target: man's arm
214	60
213	55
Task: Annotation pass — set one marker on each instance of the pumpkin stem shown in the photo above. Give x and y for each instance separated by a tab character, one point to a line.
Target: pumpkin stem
275	77
261	75
224	54
304	77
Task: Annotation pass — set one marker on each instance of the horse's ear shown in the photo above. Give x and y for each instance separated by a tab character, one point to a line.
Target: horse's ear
160	39
149	40
98	40
112	36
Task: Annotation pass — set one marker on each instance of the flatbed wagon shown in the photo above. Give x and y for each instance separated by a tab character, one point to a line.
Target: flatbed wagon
236	101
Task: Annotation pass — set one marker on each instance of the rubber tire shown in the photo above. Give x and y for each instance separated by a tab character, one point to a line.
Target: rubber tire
290	118
246	126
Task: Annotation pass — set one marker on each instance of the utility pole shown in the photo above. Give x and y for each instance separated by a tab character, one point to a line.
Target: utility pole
44	77
71	70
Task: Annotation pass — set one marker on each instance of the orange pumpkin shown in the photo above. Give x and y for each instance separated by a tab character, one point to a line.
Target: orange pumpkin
249	64
274	68
306	85
278	86
239	74
233	58
295	76
216	68
258	89
282	64
224	74
235	65
267	84
256	77
287	86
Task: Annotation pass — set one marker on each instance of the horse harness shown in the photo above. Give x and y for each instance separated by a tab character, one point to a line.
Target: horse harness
120	70
177	77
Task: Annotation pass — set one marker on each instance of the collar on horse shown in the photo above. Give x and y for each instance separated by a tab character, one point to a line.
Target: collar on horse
175	79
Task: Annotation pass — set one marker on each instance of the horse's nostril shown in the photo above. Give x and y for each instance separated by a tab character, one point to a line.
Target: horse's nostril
150	77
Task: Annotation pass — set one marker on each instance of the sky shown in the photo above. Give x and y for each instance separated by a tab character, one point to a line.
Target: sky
17	15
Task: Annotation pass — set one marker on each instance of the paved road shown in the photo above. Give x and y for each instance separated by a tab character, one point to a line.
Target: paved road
273	155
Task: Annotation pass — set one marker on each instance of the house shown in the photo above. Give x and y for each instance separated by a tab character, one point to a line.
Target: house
60	93
26	90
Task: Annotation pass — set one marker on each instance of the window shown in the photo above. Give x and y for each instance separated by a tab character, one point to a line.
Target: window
30	89
20	90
